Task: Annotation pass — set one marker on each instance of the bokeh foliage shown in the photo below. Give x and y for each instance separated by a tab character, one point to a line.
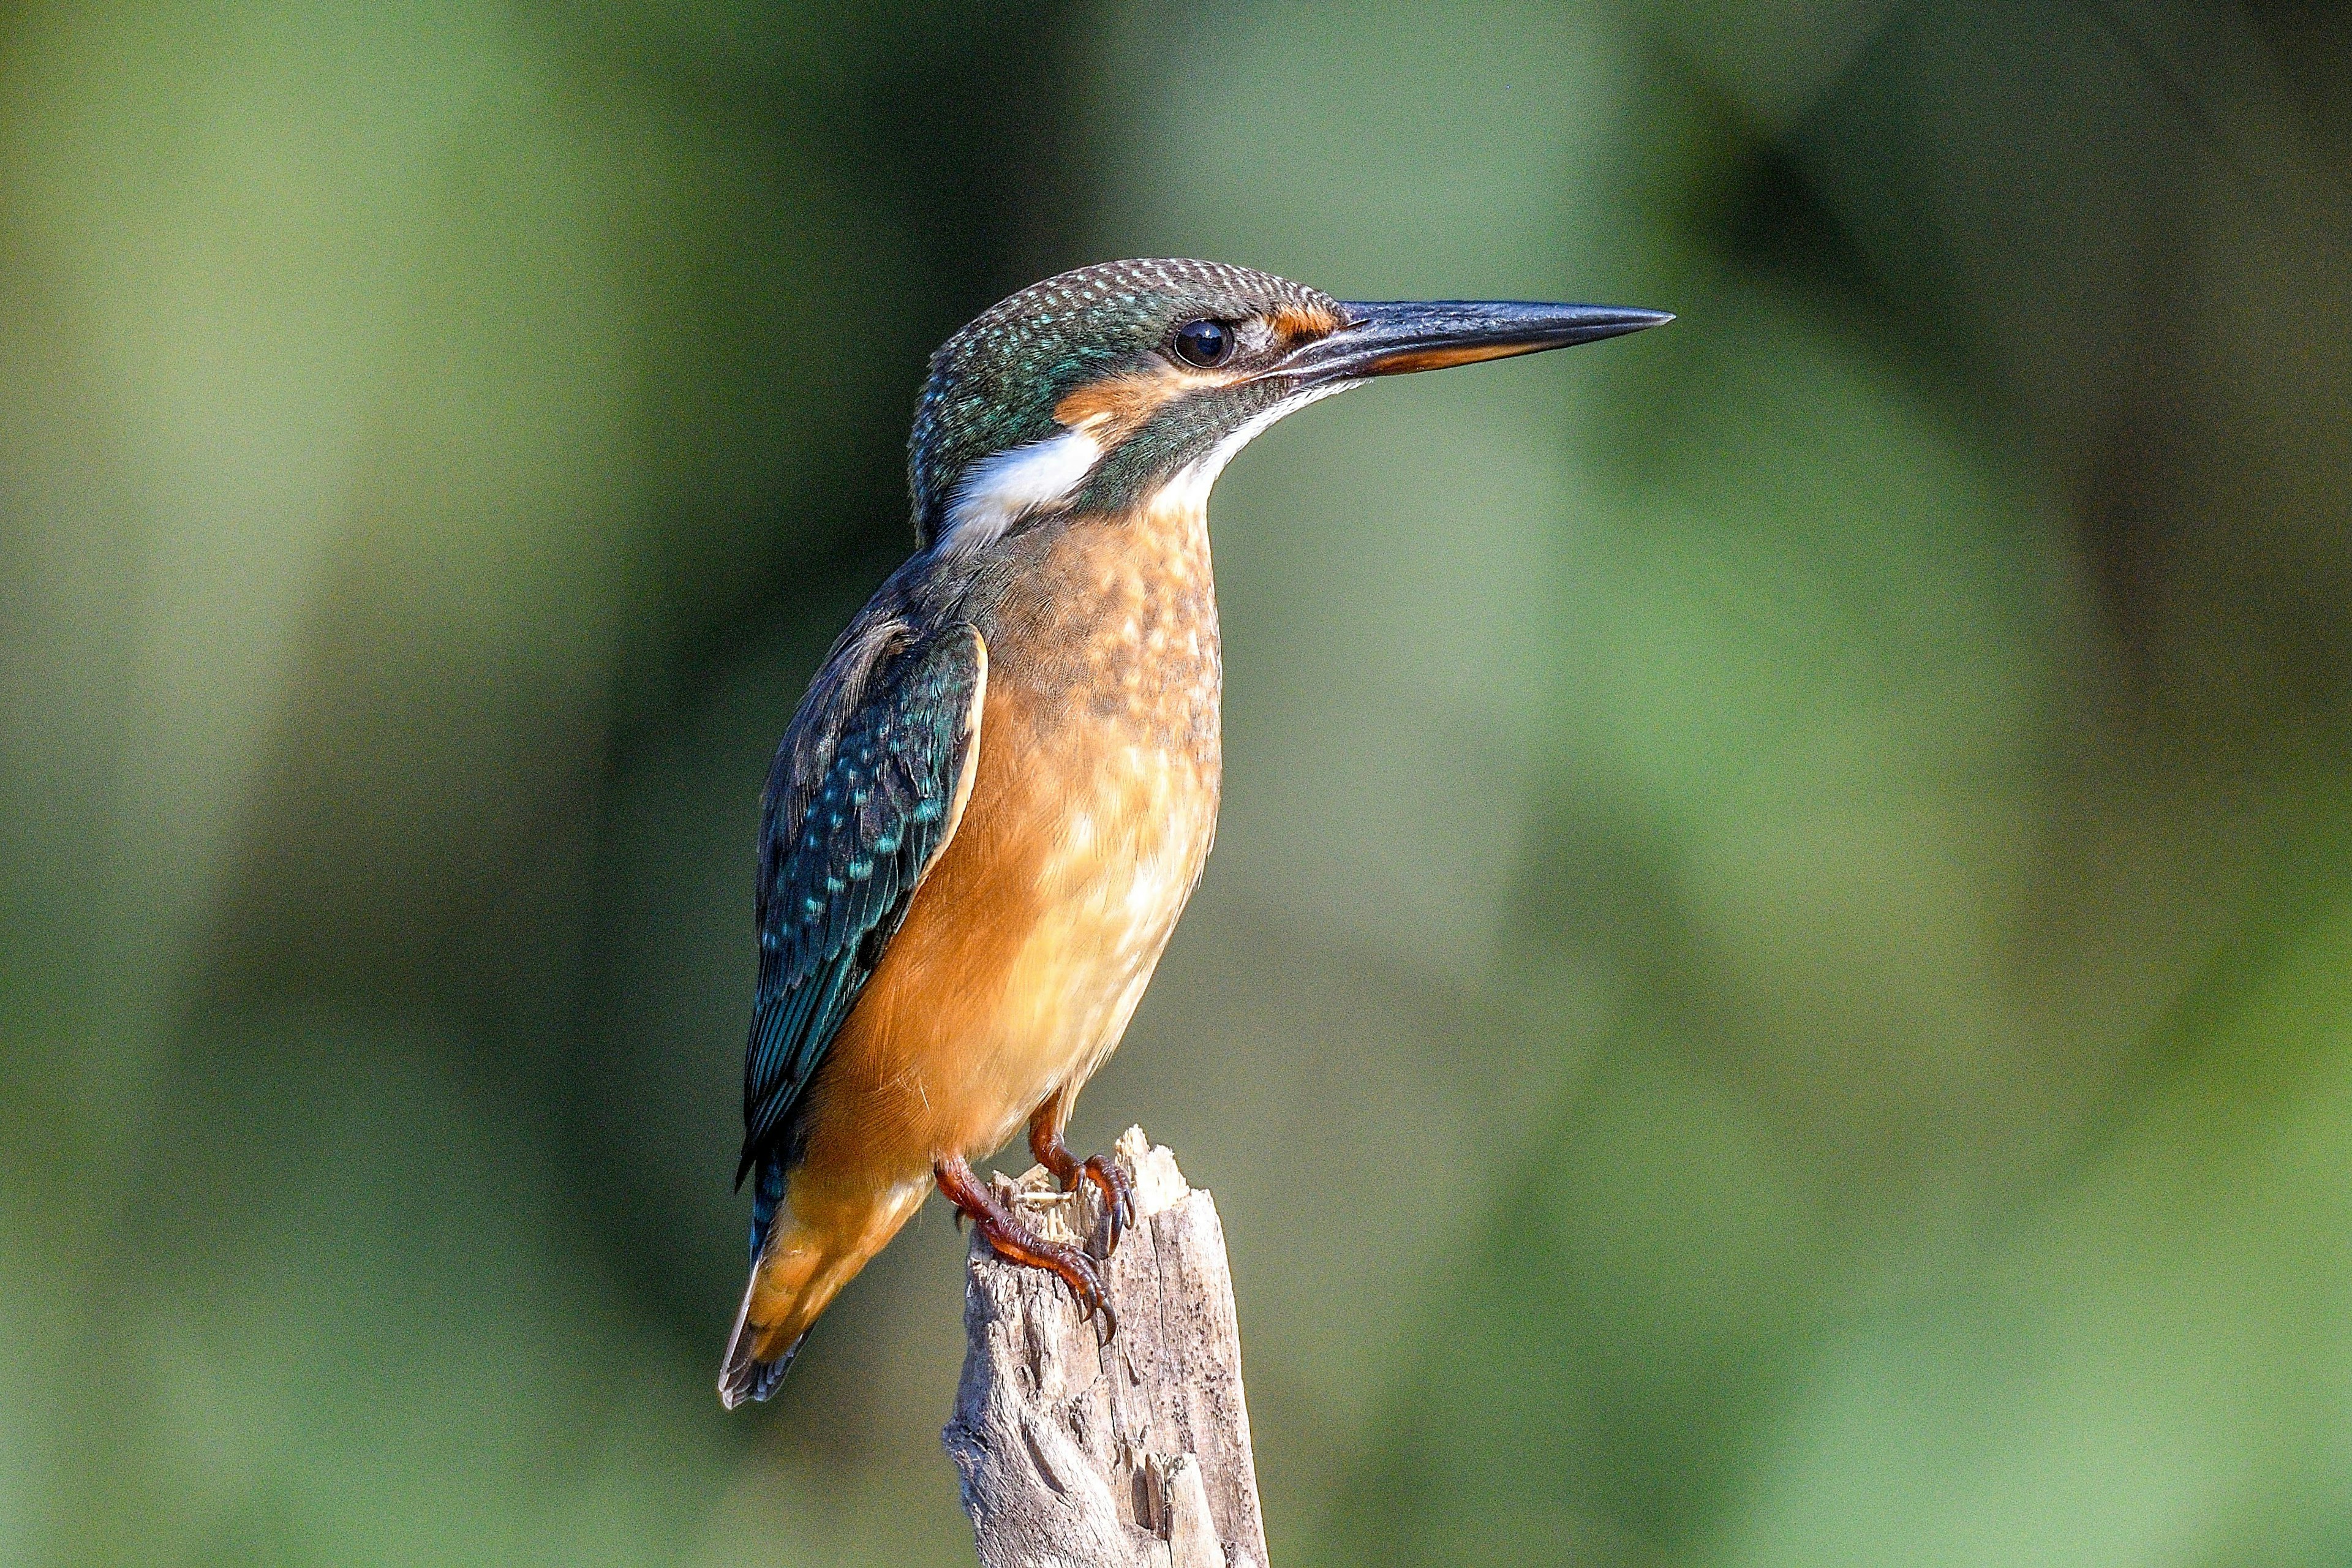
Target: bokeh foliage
1777	983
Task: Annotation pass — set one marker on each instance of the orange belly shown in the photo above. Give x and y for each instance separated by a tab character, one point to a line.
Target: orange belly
1023	953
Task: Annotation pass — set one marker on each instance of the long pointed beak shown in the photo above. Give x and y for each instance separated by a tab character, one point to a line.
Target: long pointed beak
1393	337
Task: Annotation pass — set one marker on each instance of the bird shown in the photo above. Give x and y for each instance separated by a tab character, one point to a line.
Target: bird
1001	787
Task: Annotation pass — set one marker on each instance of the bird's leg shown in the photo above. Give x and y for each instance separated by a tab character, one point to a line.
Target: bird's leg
1118	1190
1016	1243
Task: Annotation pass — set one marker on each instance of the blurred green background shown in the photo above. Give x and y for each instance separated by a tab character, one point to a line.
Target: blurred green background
1777	983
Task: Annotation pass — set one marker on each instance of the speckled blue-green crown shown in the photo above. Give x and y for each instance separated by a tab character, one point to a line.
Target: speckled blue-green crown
994	385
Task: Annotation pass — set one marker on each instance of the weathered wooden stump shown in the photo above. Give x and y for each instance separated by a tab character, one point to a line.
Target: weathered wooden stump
1073	1452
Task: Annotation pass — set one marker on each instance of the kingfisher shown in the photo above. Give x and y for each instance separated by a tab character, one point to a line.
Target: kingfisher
1001	787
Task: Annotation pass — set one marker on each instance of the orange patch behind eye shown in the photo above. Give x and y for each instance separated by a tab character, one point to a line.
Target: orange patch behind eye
1112	409
1294	323
1115	408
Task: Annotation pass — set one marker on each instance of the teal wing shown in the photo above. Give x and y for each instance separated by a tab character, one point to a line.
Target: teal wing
866	791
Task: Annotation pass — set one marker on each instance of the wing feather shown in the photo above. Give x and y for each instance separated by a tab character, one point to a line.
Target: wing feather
857	812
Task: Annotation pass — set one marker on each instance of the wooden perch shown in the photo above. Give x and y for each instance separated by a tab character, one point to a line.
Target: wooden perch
1074	1453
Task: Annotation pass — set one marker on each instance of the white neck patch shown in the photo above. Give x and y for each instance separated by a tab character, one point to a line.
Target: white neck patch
1188	487
1000	490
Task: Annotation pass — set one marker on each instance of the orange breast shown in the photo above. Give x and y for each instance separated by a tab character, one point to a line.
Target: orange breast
1029	944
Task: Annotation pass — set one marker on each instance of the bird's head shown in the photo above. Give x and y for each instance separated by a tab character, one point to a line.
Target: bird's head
1134	382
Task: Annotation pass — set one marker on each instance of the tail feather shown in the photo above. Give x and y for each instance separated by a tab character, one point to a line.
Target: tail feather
744	1374
800	1269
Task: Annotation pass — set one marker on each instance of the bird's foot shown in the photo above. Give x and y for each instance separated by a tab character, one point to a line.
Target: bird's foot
1109	1178
1016	1243
1117	1196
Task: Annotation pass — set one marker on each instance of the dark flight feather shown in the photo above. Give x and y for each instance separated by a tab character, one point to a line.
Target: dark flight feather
860	801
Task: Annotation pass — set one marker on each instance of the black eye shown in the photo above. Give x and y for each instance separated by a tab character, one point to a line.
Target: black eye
1205	343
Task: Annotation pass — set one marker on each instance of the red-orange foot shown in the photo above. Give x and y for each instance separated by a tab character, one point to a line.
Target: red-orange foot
1110	1179
1016	1243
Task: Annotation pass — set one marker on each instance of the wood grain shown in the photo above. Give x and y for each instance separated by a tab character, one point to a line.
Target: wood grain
1138	1452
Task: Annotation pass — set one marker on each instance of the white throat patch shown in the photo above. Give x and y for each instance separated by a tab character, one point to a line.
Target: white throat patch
1188	487
998	491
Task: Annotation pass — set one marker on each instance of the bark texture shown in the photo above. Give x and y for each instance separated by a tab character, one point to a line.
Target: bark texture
1073	1452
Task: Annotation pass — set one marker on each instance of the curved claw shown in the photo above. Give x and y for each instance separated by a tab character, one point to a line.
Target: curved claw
1118	1188
1072	1266
1117	1196
1016	1243
1093	1301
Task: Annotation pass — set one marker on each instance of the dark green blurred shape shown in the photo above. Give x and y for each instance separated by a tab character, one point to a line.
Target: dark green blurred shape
1774	984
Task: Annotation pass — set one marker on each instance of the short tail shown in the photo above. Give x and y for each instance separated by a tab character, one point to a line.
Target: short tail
753	1368
793	1278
